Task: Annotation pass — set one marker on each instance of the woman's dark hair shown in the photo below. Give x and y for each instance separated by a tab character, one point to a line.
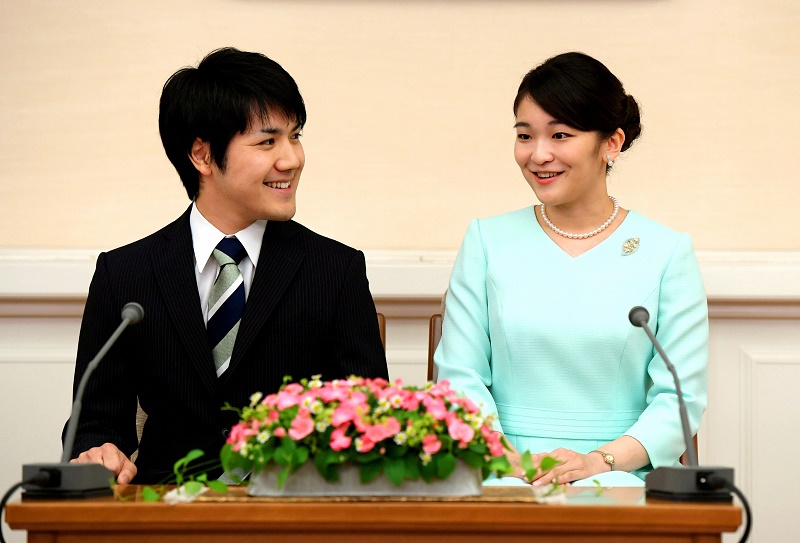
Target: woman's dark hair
217	100
581	92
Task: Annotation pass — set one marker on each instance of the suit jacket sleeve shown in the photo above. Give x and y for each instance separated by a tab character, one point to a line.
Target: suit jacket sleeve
109	408
356	344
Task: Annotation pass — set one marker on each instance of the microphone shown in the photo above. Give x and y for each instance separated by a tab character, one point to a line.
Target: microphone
682	483
65	480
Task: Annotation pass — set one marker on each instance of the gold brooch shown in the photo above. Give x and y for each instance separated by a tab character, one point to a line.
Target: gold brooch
630	246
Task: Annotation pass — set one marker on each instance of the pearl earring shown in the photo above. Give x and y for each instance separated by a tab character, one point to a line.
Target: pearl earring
610	162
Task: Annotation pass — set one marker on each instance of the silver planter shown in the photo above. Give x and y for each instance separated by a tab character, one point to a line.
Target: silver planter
464	481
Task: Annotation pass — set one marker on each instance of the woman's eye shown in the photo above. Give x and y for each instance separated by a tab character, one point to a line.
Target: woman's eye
560	136
523	137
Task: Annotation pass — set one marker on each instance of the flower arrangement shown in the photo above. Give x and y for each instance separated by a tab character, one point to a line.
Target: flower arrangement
405	432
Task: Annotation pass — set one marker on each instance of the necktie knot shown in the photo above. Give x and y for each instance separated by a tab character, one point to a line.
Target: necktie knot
231	248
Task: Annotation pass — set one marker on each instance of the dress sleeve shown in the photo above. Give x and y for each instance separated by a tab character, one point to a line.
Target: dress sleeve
464	354
682	330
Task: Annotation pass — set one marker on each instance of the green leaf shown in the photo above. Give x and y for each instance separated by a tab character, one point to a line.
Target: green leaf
368	472
285	452
327	463
478	448
150	495
282	475
193	487
472	459
217	486
299	456
395	469
429	470
548	463
412	467
527	466
194	454
447	464
369	457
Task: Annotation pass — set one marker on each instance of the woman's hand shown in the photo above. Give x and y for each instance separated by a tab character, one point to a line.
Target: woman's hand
572	467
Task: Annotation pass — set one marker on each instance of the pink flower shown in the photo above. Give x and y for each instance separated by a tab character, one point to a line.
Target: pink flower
339	440
363	444
280	431
343	414
436	407
302	425
431	444
459	430
468	404
287	399
379	432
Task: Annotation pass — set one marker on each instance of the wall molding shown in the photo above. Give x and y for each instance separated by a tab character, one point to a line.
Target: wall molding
408	283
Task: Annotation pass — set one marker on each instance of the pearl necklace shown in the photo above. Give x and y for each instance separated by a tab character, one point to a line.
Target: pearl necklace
594	232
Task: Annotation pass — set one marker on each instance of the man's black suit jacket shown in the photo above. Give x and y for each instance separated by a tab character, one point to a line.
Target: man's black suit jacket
309	311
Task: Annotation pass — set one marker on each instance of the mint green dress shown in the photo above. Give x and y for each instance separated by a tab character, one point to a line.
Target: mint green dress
542	339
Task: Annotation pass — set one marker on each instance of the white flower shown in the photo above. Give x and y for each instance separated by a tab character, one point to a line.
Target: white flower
425	457
179	495
400	438
322	425
255	398
263	436
315	382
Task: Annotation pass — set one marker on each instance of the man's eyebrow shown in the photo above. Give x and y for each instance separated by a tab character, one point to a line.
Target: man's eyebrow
277	130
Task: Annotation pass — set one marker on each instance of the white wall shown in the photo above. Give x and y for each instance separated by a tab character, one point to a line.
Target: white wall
410	122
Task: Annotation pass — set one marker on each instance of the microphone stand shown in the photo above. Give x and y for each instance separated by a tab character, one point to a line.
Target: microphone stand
67	480
682	483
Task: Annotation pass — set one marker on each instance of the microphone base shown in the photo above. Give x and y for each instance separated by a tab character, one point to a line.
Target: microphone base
67	481
689	483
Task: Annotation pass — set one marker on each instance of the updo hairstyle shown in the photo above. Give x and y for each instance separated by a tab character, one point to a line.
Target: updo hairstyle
581	92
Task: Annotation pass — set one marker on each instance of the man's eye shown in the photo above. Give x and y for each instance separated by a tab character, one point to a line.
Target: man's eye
297	136
270	141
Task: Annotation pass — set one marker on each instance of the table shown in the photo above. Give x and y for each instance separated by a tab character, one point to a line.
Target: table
502	514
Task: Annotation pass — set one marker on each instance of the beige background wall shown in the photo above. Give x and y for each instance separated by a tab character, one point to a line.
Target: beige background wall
410	125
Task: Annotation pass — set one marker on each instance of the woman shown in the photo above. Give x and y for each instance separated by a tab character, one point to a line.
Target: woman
536	327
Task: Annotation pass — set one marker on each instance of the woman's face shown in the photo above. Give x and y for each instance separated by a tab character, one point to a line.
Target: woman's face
562	165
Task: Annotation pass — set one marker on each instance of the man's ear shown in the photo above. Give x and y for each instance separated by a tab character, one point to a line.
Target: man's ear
200	155
613	145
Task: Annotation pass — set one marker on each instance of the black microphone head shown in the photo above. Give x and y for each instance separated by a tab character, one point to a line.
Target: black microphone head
133	312
639	316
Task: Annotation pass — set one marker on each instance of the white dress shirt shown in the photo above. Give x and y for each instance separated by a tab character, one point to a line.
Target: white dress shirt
205	237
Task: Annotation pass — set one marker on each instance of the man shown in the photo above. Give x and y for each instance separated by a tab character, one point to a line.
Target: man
231	128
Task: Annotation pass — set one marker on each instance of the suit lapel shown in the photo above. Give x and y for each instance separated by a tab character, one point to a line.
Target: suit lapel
278	262
173	264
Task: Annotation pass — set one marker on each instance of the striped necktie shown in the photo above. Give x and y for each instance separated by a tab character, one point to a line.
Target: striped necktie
226	302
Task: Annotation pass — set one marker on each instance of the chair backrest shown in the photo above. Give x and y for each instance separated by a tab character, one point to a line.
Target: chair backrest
382	328
684	459
434	335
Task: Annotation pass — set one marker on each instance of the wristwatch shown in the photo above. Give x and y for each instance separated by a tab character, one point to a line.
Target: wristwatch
607	458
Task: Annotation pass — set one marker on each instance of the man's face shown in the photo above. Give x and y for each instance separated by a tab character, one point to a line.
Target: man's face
262	171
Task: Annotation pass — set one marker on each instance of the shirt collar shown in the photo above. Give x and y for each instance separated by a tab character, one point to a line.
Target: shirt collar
206	236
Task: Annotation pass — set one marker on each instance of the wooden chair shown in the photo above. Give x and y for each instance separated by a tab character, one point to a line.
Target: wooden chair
434	335
684	459
382	328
